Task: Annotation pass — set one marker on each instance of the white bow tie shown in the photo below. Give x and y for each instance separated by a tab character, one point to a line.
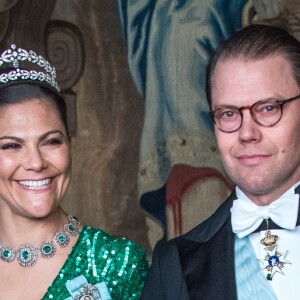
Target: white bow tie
246	216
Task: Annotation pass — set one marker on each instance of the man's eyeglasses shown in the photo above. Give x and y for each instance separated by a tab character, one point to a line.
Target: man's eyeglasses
266	113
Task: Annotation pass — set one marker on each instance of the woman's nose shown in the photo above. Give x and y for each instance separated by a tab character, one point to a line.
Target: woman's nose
34	160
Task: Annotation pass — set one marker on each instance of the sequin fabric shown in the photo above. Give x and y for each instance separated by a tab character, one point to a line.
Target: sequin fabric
120	263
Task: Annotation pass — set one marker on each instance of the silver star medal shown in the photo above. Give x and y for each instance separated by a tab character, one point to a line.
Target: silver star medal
274	260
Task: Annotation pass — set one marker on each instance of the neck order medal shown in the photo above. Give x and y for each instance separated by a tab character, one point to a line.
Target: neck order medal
274	260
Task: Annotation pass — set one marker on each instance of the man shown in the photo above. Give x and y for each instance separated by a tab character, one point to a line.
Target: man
249	248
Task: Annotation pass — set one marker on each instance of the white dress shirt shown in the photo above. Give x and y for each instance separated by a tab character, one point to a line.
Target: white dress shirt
287	285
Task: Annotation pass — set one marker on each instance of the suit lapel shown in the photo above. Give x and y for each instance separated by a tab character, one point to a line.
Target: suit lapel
208	268
207	257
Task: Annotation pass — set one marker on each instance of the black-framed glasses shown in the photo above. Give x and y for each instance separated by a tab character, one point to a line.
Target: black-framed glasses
265	113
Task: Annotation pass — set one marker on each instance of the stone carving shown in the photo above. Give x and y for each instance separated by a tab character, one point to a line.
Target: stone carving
26	24
65	52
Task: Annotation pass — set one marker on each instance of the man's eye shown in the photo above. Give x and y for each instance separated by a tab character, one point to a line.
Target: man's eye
270	108
267	109
228	114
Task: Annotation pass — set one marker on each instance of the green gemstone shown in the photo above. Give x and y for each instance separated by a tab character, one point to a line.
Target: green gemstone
71	227
62	238
6	253
25	254
47	249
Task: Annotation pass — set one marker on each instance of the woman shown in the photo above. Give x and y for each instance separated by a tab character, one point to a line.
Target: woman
44	252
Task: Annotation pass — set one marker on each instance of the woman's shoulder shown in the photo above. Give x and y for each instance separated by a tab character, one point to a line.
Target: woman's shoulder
121	262
110	244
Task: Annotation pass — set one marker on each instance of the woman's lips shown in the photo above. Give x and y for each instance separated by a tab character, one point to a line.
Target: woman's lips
35	184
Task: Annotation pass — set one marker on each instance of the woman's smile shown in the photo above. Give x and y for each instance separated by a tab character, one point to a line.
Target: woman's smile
36	184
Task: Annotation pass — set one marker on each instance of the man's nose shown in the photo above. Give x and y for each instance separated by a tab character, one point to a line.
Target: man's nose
249	130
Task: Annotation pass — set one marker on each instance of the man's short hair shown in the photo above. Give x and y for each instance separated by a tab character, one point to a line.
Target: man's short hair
252	43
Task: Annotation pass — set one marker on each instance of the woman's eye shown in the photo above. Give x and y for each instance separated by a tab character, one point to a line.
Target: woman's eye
10	146
53	142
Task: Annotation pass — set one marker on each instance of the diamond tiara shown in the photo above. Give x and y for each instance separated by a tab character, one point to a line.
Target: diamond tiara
15	56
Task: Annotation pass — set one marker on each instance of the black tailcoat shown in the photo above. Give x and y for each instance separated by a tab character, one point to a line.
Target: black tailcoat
199	264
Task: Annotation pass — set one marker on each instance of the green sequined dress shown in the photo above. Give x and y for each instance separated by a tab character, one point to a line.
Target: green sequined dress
120	263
